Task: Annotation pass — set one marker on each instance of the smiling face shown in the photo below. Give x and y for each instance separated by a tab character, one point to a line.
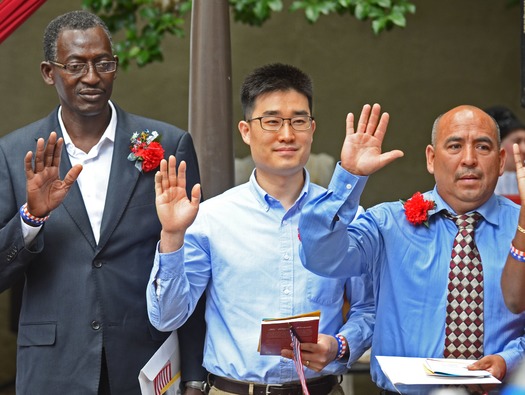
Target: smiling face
281	153
466	159
81	95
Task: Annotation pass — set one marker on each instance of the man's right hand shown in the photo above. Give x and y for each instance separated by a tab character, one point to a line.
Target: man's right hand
45	190
175	211
361	153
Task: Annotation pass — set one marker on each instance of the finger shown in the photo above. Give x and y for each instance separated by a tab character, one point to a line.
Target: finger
517	156
181	175
363	118
380	131
158	183
350	124
196	194
38	156
57	152
28	160
72	175
373	119
171	175
388	157
49	152
161	178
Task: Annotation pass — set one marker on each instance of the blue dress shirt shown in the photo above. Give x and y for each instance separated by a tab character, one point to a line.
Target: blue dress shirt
243	250
409	266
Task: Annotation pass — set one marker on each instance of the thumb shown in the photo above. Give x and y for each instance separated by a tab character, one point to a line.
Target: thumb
196	194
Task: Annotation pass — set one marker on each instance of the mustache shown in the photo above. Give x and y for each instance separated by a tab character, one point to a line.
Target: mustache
468	173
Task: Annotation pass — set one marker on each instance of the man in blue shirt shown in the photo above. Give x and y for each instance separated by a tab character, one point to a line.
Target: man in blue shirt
242	249
408	258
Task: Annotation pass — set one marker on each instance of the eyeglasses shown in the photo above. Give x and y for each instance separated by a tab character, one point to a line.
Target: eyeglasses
273	124
75	68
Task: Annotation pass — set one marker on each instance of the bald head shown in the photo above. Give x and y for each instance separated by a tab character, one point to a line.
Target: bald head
465	115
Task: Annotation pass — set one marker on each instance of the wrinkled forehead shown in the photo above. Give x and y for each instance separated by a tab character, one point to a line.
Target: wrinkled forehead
76	42
467	122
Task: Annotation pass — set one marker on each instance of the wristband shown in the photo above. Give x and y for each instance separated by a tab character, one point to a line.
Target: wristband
342	346
517	254
30	219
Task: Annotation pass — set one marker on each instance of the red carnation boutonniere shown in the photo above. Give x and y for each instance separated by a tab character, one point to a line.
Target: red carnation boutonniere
146	150
417	208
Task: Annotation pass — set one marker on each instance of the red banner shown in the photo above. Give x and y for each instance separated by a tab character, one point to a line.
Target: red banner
13	13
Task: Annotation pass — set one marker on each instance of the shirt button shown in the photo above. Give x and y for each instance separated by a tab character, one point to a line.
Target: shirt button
95	325
286	291
286	257
348	186
97	264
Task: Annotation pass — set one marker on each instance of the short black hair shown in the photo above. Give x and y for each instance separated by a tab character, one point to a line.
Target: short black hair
74	20
271	78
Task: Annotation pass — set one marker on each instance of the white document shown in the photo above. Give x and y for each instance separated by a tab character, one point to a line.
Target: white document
452	368
410	371
161	375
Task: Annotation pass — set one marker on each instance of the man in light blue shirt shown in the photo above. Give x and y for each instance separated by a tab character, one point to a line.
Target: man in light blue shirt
409	262
242	249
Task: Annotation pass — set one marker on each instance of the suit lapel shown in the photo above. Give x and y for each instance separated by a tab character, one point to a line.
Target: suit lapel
122	179
74	203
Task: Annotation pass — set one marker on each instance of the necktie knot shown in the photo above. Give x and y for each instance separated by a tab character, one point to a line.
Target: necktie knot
465	221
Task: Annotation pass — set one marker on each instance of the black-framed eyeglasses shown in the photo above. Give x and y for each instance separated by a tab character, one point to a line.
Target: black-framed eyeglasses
271	123
78	68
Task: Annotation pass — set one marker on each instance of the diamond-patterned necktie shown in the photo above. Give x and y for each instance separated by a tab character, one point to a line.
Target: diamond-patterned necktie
464	324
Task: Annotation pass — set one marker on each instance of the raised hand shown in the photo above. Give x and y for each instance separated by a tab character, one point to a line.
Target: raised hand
175	211
361	152
45	190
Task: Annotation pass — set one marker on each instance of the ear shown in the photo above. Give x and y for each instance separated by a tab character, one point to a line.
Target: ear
116	71
430	158
502	160
46	69
244	129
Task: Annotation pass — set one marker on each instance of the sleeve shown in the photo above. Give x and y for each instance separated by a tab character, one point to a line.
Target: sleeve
323	225
167	294
360	319
15	256
177	281
513	353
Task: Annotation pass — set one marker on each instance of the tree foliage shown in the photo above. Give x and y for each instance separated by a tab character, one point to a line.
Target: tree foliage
144	23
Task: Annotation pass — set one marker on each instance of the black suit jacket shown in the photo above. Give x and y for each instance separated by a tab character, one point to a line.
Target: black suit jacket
79	296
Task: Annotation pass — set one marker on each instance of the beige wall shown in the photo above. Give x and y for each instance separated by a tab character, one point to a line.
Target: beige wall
452	52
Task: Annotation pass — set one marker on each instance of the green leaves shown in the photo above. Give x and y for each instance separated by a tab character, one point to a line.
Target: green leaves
143	23
384	14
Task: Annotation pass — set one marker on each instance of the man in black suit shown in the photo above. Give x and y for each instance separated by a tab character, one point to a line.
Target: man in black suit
86	247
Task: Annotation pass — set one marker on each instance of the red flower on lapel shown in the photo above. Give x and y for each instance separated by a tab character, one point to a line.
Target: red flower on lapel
417	208
146	150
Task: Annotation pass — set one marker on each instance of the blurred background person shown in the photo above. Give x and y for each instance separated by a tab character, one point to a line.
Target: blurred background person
512	131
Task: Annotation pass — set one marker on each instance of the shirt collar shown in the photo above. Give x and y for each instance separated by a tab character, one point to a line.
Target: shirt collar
109	133
265	199
489	210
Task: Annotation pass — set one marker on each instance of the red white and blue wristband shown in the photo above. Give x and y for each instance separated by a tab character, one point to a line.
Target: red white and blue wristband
342	346
30	219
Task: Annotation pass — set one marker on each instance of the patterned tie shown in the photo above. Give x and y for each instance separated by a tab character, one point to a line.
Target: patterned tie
464	325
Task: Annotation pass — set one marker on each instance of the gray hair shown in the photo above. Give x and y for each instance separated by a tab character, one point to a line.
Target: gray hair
74	20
